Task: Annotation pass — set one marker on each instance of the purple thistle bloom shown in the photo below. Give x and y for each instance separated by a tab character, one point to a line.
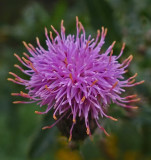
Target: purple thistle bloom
72	77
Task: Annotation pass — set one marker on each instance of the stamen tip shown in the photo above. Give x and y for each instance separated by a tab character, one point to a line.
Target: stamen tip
52	27
135	107
98	31
112	118
13	94
83	99
24	42
74	121
36	112
54	117
16	102
62	21
105	31
107	134
46	127
142	81
113	44
88	131
37	39
123	46
138	99
70	138
131	56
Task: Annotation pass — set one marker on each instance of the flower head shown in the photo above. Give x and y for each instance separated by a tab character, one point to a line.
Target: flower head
73	78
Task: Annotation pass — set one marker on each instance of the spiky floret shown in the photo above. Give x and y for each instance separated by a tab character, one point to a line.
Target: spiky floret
71	76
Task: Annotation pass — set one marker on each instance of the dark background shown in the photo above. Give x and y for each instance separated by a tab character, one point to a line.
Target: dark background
127	21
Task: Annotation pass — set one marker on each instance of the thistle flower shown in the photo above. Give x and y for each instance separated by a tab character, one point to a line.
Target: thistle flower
73	79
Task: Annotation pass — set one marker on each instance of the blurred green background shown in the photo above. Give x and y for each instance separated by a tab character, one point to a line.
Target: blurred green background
127	21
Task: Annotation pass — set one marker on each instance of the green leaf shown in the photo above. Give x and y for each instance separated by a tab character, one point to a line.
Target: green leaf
44	139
